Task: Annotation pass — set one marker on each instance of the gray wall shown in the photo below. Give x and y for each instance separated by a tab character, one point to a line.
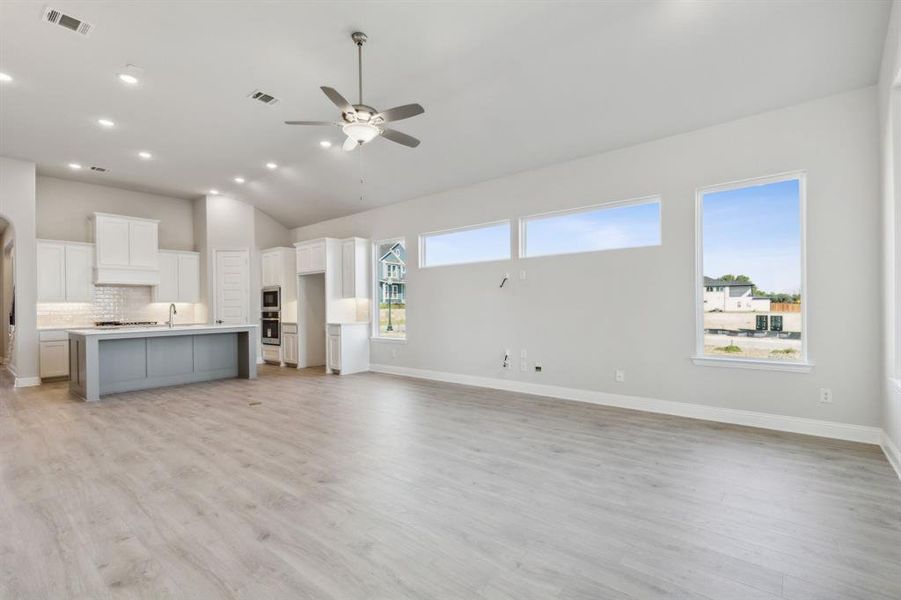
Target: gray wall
17	205
585	315
63	209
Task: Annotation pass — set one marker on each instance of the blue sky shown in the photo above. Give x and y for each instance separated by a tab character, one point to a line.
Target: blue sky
755	231
628	226
469	245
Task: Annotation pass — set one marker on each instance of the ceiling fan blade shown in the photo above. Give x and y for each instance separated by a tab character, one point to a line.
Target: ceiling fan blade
338	99
350	144
310	123
400	138
401	112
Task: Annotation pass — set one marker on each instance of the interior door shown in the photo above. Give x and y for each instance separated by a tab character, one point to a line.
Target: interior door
232	280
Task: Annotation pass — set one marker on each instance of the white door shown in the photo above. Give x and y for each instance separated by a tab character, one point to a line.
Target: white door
167	290
51	271
188	278
232	287
79	265
143	244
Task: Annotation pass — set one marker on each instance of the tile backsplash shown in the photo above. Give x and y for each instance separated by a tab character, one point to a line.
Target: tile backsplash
112	303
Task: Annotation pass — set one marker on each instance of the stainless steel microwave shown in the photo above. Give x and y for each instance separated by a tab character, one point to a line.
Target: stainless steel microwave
271	298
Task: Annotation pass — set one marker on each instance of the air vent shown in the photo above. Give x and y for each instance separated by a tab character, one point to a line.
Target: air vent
99	169
51	15
263	97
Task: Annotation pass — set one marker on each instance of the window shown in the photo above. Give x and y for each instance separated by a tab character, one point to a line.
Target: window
466	245
751	302
391	289
622	225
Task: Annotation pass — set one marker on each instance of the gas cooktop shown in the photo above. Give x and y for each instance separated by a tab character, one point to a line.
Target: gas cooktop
124	323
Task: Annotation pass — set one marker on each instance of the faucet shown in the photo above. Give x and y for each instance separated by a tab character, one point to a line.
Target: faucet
172	313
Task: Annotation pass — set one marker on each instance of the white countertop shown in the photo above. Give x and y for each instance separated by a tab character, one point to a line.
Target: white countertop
158	330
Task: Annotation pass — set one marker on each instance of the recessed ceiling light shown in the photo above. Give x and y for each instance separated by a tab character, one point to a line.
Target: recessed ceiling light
127	78
105	123
145	155
239	180
325	144
214	192
271	166
74	166
5	78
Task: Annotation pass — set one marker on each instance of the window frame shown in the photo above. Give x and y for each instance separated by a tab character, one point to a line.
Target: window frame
803	363
652	199
375	333
424	235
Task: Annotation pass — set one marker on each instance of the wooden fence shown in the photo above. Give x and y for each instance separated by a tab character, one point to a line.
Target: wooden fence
785	307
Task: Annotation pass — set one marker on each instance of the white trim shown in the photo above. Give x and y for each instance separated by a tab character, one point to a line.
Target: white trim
828	429
424	235
376	338
645	200
801	176
27	381
750	363
891	452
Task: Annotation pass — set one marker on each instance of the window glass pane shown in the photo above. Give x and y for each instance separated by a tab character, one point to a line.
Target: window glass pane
391	288
490	242
752	271
593	229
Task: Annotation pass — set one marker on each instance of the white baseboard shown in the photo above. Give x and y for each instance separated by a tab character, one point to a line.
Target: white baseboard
891	452
828	429
27	381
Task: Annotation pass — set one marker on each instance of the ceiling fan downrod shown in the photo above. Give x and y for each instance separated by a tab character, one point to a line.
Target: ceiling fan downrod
359	39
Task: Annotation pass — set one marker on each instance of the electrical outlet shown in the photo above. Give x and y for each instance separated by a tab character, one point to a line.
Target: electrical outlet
620	375
394	353
826	395
522	275
523	366
538	367
522	354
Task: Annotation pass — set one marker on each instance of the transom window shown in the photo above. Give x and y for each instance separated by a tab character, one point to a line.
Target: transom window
479	243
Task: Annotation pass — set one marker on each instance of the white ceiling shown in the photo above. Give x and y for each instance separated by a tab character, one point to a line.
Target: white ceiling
506	87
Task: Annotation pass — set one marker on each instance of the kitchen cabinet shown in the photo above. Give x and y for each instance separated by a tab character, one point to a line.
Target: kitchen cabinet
311	256
127	250
355	268
289	343
179	275
347	347
63	271
53	353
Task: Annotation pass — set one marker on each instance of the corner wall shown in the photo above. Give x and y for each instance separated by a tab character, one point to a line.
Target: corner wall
571	312
17	205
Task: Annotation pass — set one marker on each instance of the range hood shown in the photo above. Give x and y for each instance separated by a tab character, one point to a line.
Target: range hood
127	250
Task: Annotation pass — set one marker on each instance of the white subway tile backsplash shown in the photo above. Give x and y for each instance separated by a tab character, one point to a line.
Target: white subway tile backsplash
111	303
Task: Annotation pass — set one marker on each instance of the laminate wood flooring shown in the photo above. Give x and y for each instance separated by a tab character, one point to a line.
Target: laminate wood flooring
300	485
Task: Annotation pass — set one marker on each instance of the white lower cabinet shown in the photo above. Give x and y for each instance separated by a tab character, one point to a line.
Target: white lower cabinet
272	354
348	347
289	343
54	353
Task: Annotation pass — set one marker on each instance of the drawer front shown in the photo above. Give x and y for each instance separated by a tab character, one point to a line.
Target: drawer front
53	336
289	328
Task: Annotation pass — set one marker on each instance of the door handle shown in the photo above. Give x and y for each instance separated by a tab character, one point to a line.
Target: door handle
219	321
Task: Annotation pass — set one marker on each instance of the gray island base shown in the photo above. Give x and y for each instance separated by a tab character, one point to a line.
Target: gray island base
108	361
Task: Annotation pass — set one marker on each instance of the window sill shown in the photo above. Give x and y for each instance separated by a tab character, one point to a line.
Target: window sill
388	340
747	363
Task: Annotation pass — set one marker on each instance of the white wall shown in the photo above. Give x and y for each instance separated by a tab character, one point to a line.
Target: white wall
63	209
17	205
890	138
571	312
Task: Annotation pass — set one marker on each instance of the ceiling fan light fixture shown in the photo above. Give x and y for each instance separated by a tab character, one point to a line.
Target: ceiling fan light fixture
361	132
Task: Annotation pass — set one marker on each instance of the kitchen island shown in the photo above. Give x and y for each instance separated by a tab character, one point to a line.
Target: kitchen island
108	361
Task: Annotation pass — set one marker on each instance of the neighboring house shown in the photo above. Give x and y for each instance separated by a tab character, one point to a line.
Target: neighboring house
393	275
732	296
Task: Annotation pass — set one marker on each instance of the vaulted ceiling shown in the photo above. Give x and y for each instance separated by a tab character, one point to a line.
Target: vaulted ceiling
506	87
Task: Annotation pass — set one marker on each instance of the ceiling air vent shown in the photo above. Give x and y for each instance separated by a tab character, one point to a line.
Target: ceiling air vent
99	169
57	17
263	97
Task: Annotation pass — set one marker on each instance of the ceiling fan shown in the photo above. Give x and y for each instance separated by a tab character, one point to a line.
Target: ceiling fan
362	123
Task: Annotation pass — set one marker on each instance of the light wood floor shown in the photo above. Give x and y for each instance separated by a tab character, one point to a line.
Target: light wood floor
299	485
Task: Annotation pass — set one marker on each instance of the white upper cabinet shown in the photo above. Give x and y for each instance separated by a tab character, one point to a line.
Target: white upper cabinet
278	267
179	277
355	268
311	256
127	250
64	271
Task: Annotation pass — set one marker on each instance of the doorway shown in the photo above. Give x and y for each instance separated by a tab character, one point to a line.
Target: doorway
311	320
7	292
232	287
